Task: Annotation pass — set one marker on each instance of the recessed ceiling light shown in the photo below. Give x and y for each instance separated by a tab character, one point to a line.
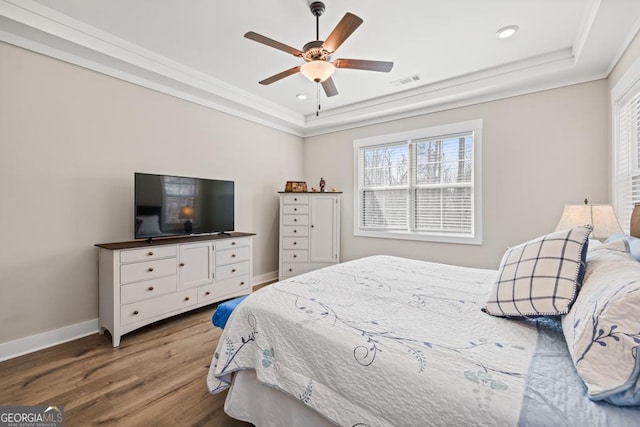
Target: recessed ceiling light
506	32
301	96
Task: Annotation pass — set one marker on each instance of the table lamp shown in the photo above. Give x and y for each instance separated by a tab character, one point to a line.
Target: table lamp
601	217
186	212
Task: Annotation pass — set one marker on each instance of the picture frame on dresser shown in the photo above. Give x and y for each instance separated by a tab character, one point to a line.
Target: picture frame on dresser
141	282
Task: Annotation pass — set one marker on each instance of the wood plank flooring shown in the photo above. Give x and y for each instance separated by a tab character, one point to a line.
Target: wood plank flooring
157	377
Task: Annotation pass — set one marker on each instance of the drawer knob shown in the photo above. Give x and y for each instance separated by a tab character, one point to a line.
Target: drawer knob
295	243
233	243
150	253
150	288
295	199
186	298
233	270
295	231
182	264
290	269
233	255
241	283
150	269
295	219
295	209
312	226
207	293
135	313
295	256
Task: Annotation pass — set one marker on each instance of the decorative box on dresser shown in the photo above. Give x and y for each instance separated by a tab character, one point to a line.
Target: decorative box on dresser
309	231
141	282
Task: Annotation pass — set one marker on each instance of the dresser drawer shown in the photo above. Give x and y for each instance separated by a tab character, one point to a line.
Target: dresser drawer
295	209
231	243
212	293
232	270
147	289
295	256
292	269
148	254
231	256
295	200
140	271
302	231
147	309
295	243
295	219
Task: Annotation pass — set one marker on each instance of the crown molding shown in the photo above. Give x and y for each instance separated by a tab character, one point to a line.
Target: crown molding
32	26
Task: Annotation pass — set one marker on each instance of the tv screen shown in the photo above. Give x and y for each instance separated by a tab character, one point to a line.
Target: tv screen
174	205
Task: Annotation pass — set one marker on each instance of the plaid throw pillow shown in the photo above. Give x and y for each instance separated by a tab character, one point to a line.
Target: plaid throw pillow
541	276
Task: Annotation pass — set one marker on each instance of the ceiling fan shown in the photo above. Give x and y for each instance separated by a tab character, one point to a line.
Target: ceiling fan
317	66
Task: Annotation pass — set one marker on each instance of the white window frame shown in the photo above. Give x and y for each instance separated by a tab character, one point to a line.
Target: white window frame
475	237
625	89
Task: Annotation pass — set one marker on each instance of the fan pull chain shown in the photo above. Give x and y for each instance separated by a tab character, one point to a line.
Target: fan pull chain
318	98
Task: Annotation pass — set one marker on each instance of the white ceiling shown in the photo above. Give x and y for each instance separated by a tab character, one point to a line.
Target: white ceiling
196	50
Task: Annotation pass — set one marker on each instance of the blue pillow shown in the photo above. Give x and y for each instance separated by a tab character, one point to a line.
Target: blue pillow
633	243
224	310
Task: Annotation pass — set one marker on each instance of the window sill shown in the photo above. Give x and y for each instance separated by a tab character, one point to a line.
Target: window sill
425	237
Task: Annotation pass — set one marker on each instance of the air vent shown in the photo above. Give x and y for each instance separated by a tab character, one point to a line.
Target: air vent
405	80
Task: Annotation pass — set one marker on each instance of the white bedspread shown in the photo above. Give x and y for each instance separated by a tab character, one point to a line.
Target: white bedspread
383	341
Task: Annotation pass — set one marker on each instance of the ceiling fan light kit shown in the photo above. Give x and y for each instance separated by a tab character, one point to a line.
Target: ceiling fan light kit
317	54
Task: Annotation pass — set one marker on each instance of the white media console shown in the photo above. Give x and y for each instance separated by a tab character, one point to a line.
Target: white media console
145	281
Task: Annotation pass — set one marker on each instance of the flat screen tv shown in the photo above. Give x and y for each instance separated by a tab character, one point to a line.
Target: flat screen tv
175	205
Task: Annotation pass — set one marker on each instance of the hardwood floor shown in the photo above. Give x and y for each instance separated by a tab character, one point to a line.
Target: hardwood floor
156	377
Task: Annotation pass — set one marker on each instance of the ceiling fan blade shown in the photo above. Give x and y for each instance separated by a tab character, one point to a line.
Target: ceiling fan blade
329	87
344	29
363	64
272	43
280	76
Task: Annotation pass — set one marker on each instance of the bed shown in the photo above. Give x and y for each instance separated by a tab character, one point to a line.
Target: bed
387	341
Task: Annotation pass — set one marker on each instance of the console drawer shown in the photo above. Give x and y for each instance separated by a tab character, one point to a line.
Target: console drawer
230	256
214	292
147	289
148	254
231	243
149	308
232	270
140	271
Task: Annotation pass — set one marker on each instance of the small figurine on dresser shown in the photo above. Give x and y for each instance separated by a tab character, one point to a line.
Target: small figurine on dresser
322	184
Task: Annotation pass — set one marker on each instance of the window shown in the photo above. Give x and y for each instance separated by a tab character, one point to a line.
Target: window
626	110
177	192
422	184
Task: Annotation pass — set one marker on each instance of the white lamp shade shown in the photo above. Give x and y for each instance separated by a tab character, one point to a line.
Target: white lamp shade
318	70
601	217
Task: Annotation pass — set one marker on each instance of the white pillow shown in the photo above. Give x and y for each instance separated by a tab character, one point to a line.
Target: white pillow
602	329
149	225
541	276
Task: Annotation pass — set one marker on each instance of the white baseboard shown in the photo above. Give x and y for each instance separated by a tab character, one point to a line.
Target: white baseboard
15	348
21	346
264	278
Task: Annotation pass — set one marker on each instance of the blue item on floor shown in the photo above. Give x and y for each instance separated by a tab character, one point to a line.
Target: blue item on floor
224	310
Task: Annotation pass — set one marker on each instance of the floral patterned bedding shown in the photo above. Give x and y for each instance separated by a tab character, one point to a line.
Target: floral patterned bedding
383	341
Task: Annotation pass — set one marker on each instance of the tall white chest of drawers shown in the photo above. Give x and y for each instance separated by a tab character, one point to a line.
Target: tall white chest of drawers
309	232
142	282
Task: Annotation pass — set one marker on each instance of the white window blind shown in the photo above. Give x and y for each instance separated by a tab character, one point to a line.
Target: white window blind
421	184
627	153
